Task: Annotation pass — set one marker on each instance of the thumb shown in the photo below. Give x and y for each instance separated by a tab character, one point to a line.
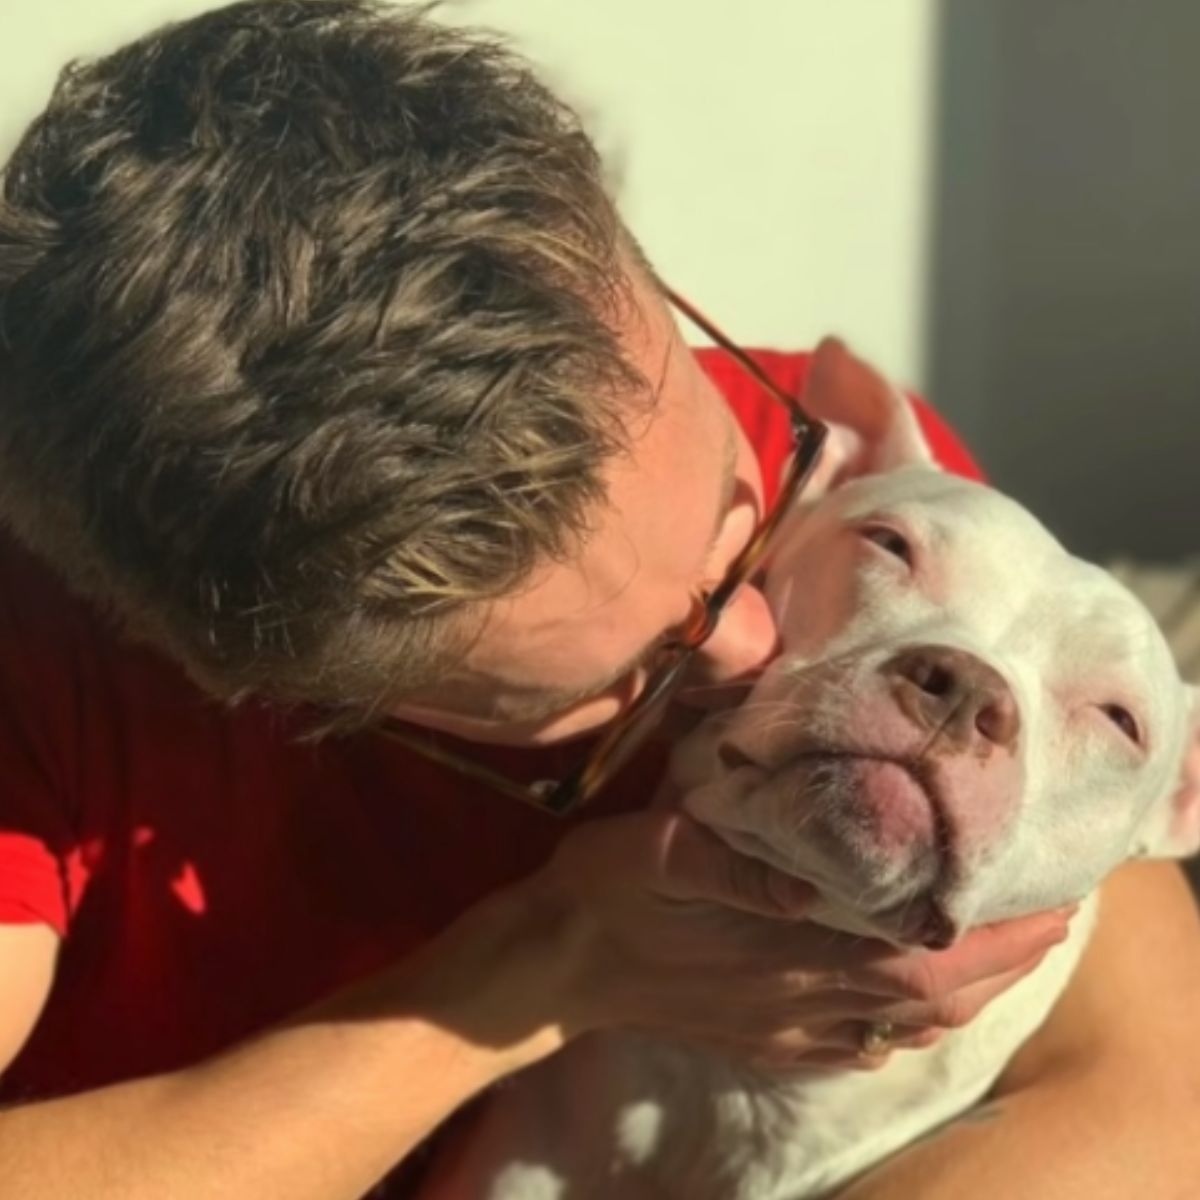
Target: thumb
696	865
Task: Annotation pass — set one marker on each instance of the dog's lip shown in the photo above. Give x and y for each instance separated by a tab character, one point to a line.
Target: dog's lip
733	758
926	778
933	927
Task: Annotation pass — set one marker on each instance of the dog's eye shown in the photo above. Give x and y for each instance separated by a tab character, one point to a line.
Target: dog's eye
886	538
1124	720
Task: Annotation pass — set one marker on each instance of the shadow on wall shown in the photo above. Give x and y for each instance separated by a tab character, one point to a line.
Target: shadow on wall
1065	316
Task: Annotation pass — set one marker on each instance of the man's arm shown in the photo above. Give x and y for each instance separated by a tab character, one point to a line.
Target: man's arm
1103	1103
645	920
27	956
318	1109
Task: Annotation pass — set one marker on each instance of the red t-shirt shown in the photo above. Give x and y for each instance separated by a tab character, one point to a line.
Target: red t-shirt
206	872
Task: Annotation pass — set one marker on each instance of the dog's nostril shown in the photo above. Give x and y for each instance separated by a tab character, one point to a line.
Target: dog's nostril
732	758
933	679
956	693
999	721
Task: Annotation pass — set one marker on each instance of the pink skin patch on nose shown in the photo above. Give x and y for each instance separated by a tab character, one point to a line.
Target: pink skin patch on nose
896	805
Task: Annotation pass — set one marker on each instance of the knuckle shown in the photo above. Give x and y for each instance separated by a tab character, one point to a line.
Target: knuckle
778	1021
796	985
871	1062
780	1058
919	980
952	1012
784	1043
840	980
773	1049
789	1027
922	1039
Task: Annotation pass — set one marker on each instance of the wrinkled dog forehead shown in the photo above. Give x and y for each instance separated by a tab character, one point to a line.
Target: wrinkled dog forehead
974	547
986	572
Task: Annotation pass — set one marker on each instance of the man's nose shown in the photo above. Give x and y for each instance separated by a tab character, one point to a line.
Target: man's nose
744	641
955	696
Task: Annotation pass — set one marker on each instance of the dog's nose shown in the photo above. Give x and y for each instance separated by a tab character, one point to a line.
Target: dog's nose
955	695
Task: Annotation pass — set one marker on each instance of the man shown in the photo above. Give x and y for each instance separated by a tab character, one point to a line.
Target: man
330	377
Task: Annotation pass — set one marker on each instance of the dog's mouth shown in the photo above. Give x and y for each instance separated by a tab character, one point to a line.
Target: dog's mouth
872	832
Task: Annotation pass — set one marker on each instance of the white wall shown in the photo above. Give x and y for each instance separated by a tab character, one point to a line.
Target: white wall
773	155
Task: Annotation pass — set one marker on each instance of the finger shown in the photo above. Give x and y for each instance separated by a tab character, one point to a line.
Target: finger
843	1037
961	1007
850	1055
986	952
697	865
848	1036
821	1062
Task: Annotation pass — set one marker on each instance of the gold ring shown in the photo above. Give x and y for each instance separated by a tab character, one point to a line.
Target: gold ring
876	1039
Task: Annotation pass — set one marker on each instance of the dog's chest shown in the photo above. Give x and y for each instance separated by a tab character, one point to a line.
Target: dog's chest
706	1132
621	1115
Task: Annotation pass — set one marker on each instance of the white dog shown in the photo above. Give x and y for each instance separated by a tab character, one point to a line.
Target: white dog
966	724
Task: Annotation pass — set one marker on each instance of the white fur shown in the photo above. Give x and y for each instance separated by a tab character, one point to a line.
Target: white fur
618	1115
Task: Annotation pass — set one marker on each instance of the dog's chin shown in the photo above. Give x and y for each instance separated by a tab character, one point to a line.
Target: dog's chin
866	831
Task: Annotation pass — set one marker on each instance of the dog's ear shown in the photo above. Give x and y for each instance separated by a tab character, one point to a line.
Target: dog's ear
872	427
1172	828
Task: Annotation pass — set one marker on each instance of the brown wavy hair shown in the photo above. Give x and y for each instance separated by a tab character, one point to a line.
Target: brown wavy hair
307	341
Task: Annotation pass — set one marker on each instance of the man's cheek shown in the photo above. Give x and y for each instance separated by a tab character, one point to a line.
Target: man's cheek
744	641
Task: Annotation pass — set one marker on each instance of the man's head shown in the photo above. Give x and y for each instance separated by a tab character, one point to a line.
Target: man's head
324	360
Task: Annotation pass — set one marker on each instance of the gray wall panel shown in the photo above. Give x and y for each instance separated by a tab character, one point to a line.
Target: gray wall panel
1065	324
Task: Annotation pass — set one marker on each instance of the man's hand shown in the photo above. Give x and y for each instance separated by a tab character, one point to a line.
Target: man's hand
672	931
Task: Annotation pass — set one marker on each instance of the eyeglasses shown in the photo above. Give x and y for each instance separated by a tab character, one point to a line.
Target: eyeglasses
629	731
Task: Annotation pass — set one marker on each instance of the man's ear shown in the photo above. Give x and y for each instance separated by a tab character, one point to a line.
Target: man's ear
872	427
1172	828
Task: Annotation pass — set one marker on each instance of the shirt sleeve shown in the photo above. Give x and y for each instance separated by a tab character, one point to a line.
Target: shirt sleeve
36	851
765	423
40	871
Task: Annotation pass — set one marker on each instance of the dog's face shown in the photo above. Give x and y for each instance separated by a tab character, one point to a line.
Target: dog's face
966	723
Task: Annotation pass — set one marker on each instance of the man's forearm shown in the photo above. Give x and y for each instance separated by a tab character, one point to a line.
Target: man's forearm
318	1109
1081	1137
1103	1103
